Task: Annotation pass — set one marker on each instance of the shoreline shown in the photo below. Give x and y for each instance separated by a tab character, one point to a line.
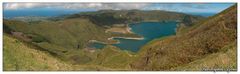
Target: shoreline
131	38
128	29
125	30
112	38
96	41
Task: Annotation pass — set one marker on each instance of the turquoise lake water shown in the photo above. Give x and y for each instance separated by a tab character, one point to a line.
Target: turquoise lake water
149	30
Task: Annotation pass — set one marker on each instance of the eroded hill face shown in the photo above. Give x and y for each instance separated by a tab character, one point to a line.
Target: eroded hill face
215	36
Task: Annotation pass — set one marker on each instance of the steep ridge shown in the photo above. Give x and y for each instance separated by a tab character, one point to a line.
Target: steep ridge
201	41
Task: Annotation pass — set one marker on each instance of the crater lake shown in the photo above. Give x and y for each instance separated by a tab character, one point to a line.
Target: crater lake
148	30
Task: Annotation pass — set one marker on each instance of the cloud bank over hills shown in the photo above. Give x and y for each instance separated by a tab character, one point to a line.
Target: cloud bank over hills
98	6
178	7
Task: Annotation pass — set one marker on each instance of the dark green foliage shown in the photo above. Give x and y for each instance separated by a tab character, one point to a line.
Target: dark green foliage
187	20
106	19
80	59
6	29
37	38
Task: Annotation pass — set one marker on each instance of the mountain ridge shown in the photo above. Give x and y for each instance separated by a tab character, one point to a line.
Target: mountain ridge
206	38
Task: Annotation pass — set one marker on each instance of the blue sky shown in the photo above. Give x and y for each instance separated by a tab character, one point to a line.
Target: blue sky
177	7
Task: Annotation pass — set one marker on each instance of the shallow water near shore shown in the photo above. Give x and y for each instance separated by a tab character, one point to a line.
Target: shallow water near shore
149	30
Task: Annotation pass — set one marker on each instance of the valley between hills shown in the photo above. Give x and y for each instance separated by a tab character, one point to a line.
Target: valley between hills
63	43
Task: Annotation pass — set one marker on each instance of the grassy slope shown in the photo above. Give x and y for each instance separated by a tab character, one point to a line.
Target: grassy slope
72	32
115	58
17	56
226	59
64	36
200	44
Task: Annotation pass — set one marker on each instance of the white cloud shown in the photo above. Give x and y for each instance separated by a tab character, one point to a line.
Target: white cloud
177	7
115	6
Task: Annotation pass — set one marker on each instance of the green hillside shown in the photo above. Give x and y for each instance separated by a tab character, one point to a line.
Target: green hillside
63	44
18	56
110	17
225	59
195	49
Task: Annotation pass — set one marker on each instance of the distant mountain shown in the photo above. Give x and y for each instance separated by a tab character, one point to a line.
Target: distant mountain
110	17
207	45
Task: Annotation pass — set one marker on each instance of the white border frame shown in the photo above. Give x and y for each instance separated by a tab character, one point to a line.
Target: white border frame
122	1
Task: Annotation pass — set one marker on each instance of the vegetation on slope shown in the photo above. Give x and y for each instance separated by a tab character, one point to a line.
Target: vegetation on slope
110	17
18	56
68	39
72	32
115	58
200	43
225	59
